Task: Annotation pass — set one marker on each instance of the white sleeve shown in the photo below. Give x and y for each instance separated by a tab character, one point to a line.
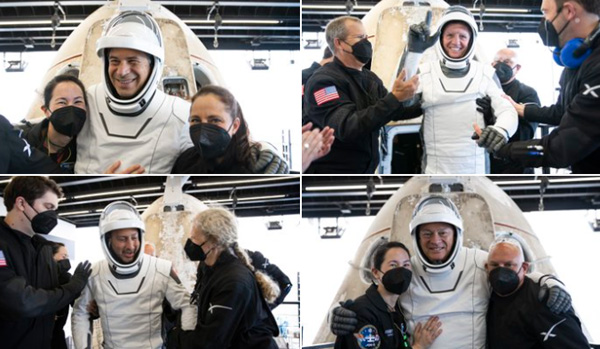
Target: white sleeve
80	319
550	282
504	111
179	298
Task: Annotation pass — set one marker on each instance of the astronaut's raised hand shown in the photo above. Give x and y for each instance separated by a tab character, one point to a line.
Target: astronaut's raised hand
405	90
343	320
492	138
419	38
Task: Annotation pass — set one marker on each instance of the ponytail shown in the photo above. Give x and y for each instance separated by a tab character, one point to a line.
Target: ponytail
269	288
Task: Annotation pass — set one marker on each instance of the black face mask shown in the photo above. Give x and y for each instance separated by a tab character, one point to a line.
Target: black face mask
547	32
504	281
195	252
63	266
504	72
210	141
397	280
68	120
44	222
362	50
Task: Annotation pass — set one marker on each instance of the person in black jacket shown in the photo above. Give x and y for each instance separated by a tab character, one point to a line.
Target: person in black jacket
231	295
65	104
222	139
61	257
18	156
381	323
576	141
30	293
353	101
515	317
507	67
308	72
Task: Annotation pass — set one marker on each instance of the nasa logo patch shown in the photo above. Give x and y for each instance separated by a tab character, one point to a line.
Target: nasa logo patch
368	337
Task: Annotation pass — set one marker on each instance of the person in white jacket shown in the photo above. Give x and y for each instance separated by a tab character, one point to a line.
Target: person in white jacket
129	287
130	119
449	89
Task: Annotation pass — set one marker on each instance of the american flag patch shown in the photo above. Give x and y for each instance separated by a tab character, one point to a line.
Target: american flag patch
2	259
326	94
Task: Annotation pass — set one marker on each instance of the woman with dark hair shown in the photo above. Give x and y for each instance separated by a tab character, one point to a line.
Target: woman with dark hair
61	257
65	107
222	139
381	323
230	293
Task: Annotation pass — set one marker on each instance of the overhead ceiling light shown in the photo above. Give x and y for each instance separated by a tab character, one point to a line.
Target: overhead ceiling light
353	187
248	198
558	180
233	21
124	191
245	181
336	7
39	22
502	10
76	213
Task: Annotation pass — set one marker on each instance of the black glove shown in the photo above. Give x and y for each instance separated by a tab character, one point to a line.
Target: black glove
528	153
418	36
558	300
492	138
343	321
485	107
79	278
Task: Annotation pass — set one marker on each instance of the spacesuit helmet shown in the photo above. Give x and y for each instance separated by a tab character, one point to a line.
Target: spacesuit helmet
136	31
121	215
436	209
451	15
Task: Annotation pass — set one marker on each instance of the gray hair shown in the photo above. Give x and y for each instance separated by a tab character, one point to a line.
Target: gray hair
337	29
218	224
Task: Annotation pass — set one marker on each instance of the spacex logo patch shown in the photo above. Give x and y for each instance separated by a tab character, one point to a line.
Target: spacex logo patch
591	90
549	334
216	306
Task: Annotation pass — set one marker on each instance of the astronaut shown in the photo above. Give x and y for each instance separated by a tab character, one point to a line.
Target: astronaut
449	280
129	287
130	119
449	89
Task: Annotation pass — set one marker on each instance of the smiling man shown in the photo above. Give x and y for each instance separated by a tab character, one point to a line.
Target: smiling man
448	93
449	279
131	120
129	287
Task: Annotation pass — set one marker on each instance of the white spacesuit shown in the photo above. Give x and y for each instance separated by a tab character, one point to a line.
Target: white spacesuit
129	296
150	128
449	89
456	290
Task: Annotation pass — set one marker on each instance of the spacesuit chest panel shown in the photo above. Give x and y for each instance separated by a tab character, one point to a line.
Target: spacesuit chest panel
128	305
152	139
459	297
450	111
